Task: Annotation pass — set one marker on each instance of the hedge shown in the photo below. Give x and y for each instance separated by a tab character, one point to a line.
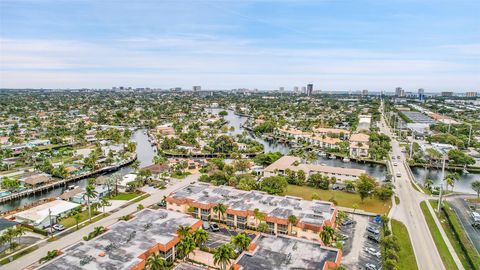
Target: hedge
471	254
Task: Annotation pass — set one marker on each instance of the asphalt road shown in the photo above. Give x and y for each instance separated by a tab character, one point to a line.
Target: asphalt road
77	236
460	207
410	213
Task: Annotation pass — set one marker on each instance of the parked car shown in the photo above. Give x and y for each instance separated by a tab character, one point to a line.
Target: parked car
373	230
348	222
370	266
395	164
393	157
373	252
59	227
206	225
214	227
374	237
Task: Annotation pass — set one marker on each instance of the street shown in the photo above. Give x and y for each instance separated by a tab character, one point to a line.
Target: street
76	236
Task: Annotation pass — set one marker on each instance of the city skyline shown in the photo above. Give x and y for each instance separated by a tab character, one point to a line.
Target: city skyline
335	45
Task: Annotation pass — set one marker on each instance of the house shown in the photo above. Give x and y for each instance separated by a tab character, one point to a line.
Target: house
5	224
128	244
36	179
359	145
68	195
157	169
36	143
199	199
101	192
123	184
42	216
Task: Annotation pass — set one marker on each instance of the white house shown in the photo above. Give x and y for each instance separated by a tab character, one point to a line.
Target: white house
39	216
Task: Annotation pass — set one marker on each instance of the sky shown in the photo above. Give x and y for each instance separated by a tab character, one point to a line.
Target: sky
226	44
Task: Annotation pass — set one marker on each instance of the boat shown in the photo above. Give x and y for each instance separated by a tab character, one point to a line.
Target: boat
323	154
346	159
332	157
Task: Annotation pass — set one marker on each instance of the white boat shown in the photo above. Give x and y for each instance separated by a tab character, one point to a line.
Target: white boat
346	159
332	157
322	154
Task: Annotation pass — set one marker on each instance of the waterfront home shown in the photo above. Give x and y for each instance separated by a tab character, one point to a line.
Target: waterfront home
68	194
280	166
42	216
199	199
123	184
128	244
36	179
157	169
364	122
5	224
276	252
359	145
36	143
80	198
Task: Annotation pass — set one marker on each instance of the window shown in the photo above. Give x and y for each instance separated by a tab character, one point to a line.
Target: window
271	227
282	229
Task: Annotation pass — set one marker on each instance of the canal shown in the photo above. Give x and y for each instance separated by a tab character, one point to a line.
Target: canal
145	153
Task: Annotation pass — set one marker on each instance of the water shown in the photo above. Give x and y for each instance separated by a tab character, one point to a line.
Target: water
145	154
462	185
376	170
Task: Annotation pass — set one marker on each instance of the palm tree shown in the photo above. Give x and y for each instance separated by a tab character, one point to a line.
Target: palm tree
200	236
292	220
104	202
186	246
222	256
428	183
90	193
50	255
451	178
341	215
77	218
220	209
184	231
156	262
241	241
327	234
259	216
19	232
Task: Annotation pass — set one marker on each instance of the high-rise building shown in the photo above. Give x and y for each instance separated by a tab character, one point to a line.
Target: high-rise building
309	89
447	94
471	94
421	94
197	88
304	89
364	92
399	92
281	88
295	89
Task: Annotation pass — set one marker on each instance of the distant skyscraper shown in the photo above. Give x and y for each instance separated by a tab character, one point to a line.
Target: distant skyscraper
471	94
304	89
295	89
364	92
421	94
281	88
447	94
197	88
309	89
399	92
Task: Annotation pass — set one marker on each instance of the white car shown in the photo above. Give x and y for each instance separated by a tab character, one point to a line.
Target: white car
373	252
370	266
395	164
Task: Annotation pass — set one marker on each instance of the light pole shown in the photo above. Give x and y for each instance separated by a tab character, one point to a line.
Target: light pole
411	149
469	135
441	184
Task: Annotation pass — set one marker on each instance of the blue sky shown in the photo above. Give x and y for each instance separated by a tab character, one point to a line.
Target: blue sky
265	44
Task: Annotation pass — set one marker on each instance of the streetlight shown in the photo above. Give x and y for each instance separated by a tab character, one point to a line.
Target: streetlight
441	184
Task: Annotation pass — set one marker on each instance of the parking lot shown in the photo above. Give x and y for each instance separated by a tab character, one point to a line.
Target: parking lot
355	255
463	209
223	236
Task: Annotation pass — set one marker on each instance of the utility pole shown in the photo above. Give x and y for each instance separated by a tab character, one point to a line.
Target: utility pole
469	135
441	184
411	149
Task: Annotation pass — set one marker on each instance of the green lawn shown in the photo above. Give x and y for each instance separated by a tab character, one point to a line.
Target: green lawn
406	256
125	196
342	198
70	221
454	240
18	255
438	239
141	198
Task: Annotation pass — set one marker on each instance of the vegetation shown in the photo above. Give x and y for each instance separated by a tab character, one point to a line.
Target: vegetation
267	158
406	255
96	232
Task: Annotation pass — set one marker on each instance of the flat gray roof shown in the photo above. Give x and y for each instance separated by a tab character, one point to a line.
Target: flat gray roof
282	252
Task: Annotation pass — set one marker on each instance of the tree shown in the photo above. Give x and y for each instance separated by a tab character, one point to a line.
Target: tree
220	210
365	186
326	235
184	231
156	262
292	220
10	183
241	241
223	113
50	255
458	157
222	256
274	184
186	246
104	202
476	187
267	158
90	193
136	164
77	219
451	178
259	216
262	227
384	192
428	183
200	236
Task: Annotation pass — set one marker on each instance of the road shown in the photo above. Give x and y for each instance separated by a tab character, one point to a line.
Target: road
77	236
410	213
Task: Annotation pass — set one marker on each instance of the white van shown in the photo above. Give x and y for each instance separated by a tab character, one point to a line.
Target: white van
399	174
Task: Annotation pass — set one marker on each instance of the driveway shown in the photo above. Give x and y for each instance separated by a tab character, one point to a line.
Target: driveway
460	207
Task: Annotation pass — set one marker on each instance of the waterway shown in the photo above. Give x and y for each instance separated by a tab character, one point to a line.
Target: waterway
145	153
376	170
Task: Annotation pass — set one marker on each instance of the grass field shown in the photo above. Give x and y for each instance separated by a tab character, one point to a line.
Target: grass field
70	221
406	256
125	196
342	198
18	255
438	239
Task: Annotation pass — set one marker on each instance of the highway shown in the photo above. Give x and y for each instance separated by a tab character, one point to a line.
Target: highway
409	211
70	239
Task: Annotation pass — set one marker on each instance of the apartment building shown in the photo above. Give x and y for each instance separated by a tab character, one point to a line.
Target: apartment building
199	199
359	145
280	166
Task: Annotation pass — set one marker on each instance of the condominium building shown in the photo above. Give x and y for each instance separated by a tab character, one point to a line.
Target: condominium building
359	145
199	199
292	163
471	94
127	244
